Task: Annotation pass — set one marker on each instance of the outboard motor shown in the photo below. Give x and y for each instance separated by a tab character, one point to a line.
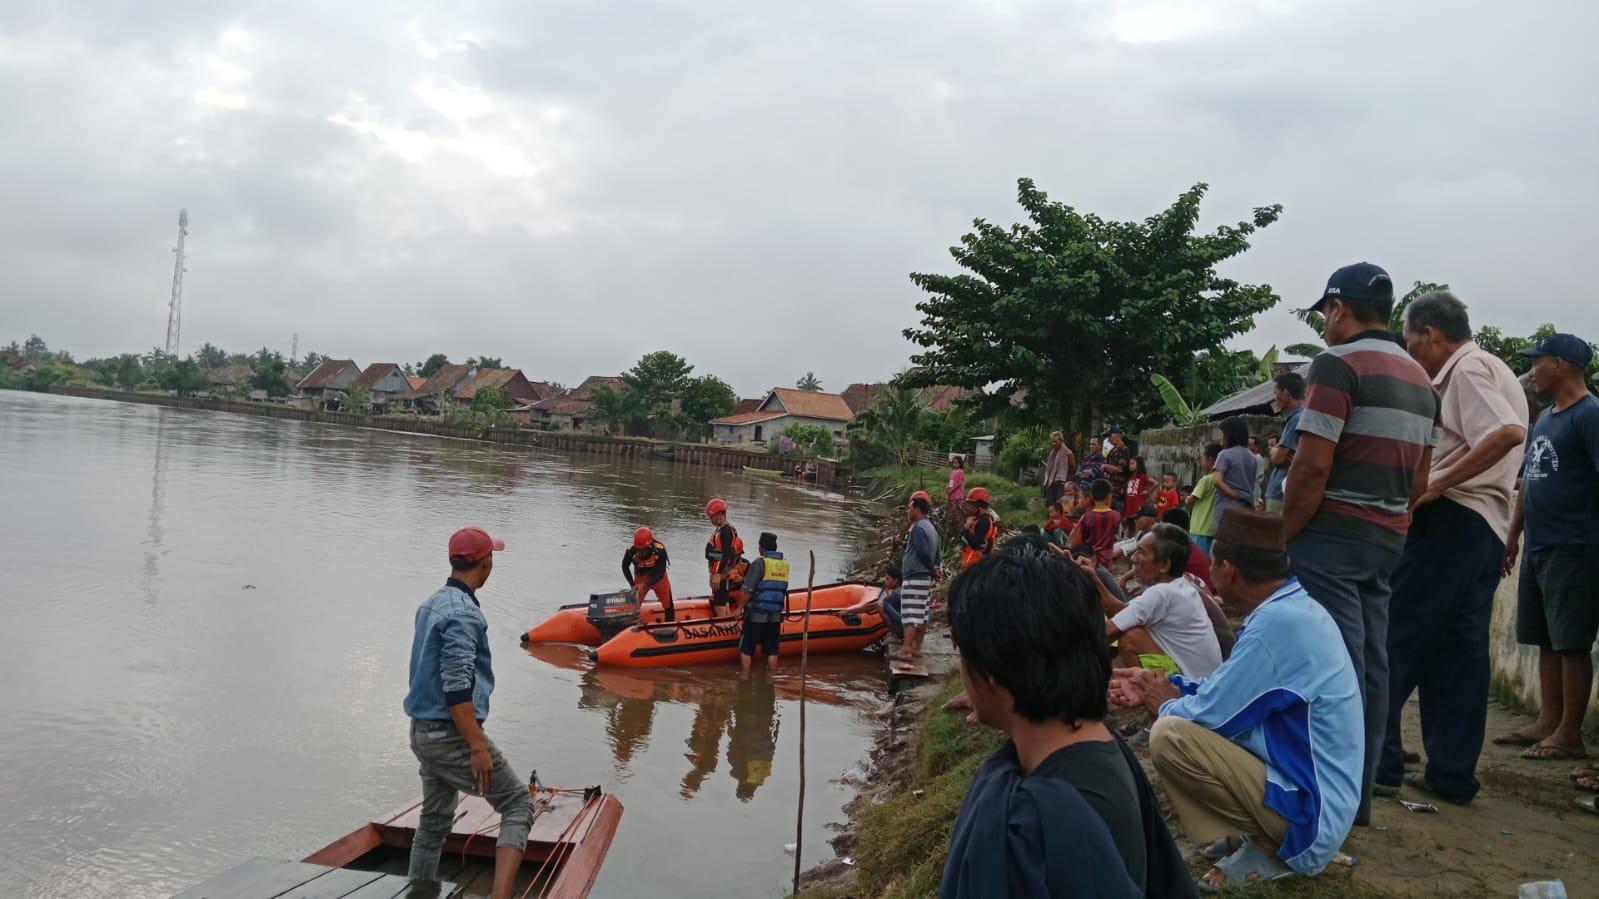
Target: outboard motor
614	612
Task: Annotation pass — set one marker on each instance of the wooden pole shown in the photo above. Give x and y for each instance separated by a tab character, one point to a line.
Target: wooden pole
805	656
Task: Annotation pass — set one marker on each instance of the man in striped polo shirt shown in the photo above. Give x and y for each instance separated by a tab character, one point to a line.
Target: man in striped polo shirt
1366	434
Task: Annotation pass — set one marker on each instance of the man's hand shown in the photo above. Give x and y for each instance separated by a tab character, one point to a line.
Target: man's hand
1512	549
1087	564
1427	496
1133	687
482	770
938	572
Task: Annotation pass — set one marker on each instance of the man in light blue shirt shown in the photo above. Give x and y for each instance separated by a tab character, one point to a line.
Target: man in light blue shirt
1290	396
1264	757
451	679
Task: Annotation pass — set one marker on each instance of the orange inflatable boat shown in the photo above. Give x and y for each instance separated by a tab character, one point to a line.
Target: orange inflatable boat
716	640
583	622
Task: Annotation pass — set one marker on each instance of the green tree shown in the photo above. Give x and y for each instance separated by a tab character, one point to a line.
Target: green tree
271	374
35	348
809	439
809	383
893	422
47	375
658	378
431	367
1079	311
211	356
490	362
490	401
185	376
705	398
310	361
1304	350
617	410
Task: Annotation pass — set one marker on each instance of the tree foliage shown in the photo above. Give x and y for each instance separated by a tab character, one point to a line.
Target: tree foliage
616	410
658	377
432	366
490	400
490	362
184	376
35	348
705	398
271	373
808	439
1079	311
211	356
310	361
809	383
892	423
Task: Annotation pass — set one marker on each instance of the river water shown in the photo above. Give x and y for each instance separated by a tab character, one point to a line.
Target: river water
207	622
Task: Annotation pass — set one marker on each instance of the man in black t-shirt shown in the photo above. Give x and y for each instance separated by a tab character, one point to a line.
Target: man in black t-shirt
1020	822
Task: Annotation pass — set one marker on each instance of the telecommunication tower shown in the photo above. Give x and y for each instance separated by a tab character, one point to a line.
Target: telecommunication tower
294	347
175	311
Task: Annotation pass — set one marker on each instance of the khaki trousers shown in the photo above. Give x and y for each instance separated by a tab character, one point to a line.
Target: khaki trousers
1217	787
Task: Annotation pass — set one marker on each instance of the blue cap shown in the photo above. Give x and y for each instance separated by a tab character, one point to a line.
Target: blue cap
1361	281
1569	347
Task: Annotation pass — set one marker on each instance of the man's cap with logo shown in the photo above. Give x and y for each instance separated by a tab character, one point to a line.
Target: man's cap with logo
1257	530
1569	347
473	544
1361	281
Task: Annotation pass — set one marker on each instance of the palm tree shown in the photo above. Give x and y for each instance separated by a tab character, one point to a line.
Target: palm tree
809	383
893	421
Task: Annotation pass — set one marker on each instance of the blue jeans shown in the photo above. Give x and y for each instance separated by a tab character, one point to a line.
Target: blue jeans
446	768
891	615
1350	580
1202	541
1438	644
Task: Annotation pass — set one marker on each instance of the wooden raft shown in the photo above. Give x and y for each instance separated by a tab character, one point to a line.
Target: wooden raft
266	878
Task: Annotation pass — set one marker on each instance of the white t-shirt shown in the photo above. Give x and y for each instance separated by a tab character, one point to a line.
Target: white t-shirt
1175	617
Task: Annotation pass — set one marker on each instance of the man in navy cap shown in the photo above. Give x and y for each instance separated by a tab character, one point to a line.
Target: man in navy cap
1558	605
1365	443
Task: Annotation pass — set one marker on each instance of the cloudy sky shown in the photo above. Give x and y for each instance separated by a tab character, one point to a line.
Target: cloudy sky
571	184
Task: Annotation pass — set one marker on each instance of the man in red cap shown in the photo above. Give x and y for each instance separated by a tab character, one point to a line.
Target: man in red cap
451	679
644	566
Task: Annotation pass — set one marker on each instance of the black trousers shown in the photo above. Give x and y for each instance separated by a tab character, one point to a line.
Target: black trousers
1443	597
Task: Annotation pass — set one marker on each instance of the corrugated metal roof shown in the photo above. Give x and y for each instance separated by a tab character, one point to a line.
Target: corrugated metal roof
374	373
335	374
745	418
1254	399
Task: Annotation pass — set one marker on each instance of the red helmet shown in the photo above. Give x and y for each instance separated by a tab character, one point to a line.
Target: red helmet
977	495
921	494
715	507
642	537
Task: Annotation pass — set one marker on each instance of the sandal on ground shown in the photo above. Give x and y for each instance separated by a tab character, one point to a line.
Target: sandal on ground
1549	752
1588	803
1418	782
1588	784
1221	848
1515	738
1245	868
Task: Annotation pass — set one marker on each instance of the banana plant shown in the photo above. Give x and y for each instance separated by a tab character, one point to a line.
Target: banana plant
1182	414
1266	363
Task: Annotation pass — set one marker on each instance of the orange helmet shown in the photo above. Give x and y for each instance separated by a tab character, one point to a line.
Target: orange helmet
715	507
642	537
921	494
977	495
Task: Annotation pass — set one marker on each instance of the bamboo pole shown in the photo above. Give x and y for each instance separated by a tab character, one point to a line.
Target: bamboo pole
805	655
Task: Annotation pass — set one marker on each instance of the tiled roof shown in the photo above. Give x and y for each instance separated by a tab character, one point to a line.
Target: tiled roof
586	389
488	377
745	418
443	380
415	382
374	373
813	404
334	374
859	396
747	405
542	390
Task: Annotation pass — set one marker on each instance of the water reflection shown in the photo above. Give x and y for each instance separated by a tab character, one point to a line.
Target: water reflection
752	742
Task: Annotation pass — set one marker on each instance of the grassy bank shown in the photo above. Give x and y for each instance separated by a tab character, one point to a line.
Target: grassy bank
1017	504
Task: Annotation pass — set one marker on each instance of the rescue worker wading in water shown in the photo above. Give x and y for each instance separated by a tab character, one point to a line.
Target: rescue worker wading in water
644	566
980	531
763	614
724	554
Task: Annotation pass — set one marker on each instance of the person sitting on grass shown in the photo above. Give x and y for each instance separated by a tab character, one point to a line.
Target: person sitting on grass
1062	808
1262	759
1166	627
1058	526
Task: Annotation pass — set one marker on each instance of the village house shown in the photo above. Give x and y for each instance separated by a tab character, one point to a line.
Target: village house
859	397
439	390
234	378
782	408
328	385
384	382
569	410
510	381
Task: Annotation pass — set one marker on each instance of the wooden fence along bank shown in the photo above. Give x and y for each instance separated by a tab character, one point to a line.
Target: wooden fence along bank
828	472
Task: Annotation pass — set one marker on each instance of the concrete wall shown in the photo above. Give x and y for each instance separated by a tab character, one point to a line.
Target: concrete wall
1178	449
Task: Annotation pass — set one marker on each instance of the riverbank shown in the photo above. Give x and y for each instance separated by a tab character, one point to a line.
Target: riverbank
1523	827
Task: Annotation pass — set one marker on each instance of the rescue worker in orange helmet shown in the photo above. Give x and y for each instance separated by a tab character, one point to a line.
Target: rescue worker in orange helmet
980	531
644	565
724	555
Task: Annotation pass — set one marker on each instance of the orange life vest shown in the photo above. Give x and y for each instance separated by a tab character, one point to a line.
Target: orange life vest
647	557
970	555
713	558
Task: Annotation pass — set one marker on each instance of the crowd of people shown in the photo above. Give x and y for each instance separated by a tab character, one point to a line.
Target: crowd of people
1362	550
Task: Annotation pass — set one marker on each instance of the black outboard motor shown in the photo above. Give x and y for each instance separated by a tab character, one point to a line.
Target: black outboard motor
614	612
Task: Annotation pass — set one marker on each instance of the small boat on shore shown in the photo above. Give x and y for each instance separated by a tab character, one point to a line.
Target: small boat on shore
716	640
571	834
763	472
607	614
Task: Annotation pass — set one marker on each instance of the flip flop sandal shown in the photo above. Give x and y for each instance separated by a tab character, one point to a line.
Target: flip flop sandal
1547	752
1222	848
1245	868
1514	738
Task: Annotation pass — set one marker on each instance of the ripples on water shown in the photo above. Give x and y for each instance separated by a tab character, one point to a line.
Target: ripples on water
207	627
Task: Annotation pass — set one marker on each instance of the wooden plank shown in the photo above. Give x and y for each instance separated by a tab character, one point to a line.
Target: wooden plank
396	887
575	877
258	878
334	883
549	827
907	669
411	806
472	815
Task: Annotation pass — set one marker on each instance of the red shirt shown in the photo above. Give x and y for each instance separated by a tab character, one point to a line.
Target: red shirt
1166	499
1098	529
1137	491
1199	565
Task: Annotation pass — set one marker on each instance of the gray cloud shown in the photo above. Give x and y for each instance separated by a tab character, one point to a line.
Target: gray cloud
569	185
